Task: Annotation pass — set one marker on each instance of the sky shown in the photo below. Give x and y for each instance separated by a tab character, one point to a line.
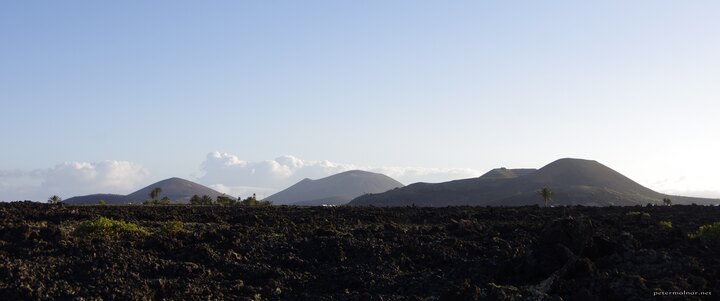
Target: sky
252	96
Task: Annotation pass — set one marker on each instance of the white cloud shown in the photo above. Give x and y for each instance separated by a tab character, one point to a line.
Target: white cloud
424	174
71	179
229	170
687	186
229	174
223	172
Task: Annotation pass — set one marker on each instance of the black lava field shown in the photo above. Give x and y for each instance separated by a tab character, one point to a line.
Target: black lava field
356	253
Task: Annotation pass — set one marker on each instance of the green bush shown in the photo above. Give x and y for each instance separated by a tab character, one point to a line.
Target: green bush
709	234
164	201
198	200
225	201
665	224
252	201
172	227
107	227
638	214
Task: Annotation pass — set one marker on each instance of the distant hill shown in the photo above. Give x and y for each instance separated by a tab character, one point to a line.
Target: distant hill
95	198
574	181
177	189
504	173
336	189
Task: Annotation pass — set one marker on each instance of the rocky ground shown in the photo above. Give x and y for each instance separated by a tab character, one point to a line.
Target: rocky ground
349	253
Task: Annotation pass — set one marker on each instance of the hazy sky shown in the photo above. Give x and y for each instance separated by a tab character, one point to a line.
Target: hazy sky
251	96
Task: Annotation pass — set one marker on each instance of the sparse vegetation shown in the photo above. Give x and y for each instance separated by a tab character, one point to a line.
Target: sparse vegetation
709	234
198	200
226	201
172	227
665	224
667	202
102	202
107	227
638	214
252	201
547	195
154	195
54	199
164	201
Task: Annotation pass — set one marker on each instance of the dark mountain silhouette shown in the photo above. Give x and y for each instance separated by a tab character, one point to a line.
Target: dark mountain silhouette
95	198
574	182
176	189
336	189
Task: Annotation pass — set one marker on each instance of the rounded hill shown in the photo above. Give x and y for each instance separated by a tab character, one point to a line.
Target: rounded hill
336	189
176	189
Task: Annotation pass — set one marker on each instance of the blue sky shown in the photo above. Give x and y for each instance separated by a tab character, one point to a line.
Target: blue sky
113	96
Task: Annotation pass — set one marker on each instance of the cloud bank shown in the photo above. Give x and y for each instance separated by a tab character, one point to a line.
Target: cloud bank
72	179
701	187
229	174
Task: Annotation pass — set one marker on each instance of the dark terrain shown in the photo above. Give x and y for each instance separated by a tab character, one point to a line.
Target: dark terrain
359	253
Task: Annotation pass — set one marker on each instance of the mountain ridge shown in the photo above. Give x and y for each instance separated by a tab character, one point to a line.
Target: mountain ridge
336	189
506	173
574	181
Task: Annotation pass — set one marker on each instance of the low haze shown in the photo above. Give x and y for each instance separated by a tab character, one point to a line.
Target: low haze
251	97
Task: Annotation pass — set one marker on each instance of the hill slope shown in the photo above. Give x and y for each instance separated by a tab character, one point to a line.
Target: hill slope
95	198
177	189
574	181
504	173
336	189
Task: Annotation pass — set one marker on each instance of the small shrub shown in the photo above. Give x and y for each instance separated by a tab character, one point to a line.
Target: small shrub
172	227
225	201
55	199
252	201
709	234
665	224
107	227
638	214
198	200
102	202
164	201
